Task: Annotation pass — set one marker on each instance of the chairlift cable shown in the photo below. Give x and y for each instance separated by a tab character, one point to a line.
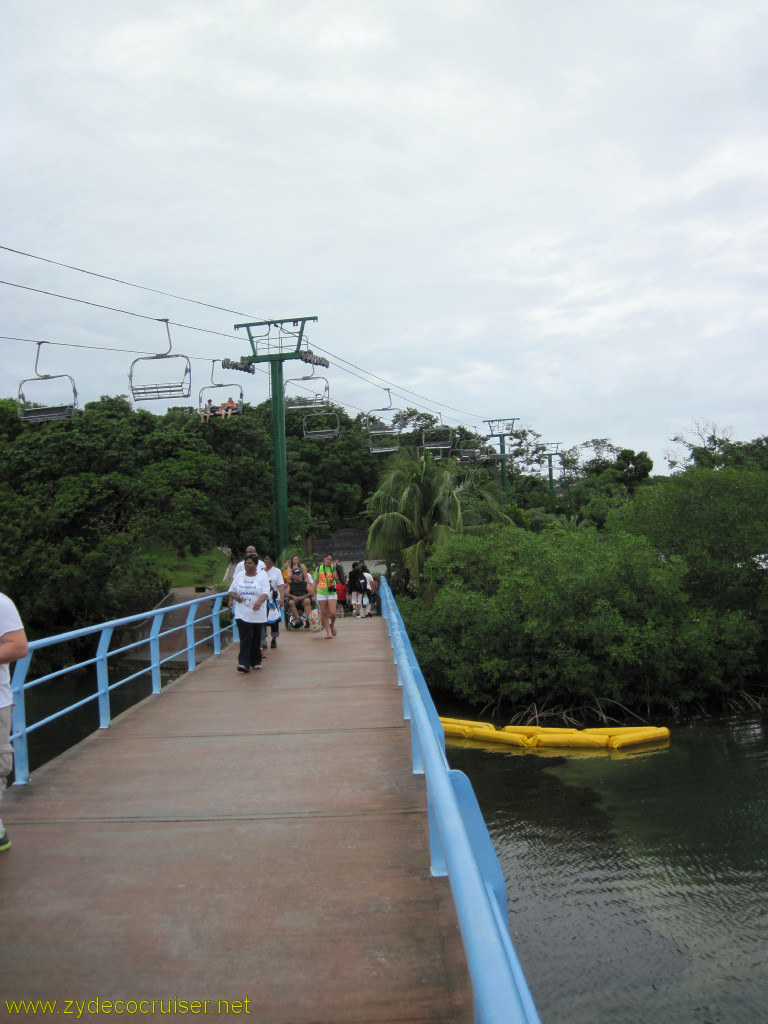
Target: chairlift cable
401	391
118	280
114	309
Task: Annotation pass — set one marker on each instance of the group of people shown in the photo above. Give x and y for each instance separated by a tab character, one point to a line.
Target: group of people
260	593
224	410
362	590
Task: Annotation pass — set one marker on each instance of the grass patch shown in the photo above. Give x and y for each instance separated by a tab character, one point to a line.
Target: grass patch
205	570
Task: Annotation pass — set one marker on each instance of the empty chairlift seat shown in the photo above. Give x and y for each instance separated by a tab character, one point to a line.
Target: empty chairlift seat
383	432
157	389
48	396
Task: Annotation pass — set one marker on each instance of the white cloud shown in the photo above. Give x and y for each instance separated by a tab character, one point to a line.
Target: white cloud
509	207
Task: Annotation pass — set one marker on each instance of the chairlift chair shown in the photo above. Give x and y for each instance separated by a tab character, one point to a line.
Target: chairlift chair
165	389
205	393
316	400
437	440
471	447
34	413
321	426
383	438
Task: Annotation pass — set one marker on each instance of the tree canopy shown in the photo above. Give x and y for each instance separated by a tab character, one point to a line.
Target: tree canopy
84	501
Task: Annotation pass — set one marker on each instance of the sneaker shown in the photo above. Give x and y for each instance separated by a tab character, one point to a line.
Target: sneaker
274	643
263	652
306	623
5	842
257	667
242	668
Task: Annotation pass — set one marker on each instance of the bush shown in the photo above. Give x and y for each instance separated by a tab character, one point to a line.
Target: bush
573	618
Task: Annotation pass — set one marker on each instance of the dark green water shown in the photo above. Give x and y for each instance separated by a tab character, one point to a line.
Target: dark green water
638	887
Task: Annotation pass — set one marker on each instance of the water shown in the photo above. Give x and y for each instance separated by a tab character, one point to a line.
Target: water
637	886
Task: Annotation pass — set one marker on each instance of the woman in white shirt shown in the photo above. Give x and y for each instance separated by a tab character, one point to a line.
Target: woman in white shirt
248	598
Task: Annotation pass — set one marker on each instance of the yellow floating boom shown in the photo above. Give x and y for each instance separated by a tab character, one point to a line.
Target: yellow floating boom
531	736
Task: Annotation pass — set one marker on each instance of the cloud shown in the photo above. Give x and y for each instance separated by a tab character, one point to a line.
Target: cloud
543	210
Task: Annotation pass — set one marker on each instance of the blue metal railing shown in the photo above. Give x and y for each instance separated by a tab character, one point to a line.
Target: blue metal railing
461	848
20	728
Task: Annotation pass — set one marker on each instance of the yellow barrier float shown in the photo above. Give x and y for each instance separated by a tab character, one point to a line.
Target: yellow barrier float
531	737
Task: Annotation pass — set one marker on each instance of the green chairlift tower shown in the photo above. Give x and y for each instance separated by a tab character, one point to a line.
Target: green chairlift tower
274	341
501	430
553	447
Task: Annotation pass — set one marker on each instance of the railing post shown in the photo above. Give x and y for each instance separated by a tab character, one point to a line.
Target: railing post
190	632
437	866
154	651
102	677
19	722
216	623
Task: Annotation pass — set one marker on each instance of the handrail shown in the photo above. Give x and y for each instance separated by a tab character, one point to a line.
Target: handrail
461	848
20	728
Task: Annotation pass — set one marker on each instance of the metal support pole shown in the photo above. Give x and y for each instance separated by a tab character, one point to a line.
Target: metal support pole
504	481
274	349
279	456
551	475
154	652
102	677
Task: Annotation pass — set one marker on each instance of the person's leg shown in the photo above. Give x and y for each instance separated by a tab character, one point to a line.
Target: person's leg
307	603
332	614
325	616
6	762
246	639
256	646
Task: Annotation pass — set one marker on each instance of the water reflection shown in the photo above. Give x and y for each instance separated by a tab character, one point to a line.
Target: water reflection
638	886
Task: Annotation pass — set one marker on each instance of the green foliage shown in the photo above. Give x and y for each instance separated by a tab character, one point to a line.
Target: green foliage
189	570
716	521
419	504
712	448
576	616
86	501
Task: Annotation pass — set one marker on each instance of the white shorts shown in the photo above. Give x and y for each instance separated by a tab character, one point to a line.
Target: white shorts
325	597
356	597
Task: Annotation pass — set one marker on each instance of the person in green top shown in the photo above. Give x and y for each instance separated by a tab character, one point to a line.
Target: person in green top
326	577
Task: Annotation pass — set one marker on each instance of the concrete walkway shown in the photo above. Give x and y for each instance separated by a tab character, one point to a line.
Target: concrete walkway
238	837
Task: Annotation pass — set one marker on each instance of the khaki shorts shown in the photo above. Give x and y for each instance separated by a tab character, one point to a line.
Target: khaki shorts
6	750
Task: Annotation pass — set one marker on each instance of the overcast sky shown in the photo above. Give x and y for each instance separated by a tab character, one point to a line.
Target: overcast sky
556	211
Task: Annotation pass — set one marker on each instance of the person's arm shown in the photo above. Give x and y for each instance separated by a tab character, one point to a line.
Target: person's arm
13	645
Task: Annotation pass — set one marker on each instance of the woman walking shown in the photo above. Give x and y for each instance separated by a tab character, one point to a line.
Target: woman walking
248	597
326	578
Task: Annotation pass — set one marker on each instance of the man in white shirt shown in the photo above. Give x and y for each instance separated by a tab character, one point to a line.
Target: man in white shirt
13	645
250	550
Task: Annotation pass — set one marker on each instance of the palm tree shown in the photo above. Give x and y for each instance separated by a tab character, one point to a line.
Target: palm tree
421	502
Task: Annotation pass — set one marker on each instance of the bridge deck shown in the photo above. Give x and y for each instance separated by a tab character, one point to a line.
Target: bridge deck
238	837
